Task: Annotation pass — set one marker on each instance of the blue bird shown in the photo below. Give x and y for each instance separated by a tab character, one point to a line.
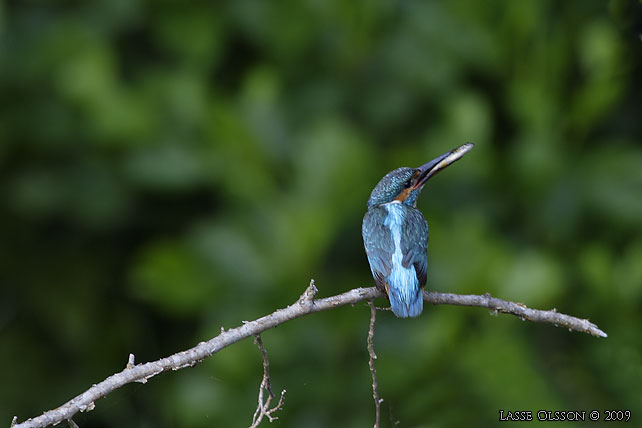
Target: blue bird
395	233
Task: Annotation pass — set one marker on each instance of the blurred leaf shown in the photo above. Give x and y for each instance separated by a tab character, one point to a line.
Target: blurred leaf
170	276
168	167
533	278
613	179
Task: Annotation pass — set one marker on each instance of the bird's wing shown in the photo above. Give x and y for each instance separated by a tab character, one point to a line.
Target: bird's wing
414	243
377	239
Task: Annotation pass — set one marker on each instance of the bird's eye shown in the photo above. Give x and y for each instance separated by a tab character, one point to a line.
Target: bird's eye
407	183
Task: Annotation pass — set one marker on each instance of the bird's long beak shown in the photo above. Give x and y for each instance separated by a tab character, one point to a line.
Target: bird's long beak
431	168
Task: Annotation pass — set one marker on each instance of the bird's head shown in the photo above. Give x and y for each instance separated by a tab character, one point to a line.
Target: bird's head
405	184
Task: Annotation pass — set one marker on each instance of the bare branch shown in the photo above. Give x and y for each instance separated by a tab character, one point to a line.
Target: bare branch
304	306
518	309
263	408
373	371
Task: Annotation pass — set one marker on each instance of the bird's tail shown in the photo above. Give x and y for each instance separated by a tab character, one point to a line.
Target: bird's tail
406	303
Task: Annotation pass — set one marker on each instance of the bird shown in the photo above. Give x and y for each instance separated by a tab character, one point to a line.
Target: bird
395	233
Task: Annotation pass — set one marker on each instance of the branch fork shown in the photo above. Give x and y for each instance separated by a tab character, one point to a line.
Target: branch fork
263	409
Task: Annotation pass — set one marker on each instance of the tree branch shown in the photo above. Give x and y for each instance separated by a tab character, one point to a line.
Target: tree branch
373	371
304	306
518	309
263	408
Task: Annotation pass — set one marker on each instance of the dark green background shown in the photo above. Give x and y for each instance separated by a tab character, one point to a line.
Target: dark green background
168	168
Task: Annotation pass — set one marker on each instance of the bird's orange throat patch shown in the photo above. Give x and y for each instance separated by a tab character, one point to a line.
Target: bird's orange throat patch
404	194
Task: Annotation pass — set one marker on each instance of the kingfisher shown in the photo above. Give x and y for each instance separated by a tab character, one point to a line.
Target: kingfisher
395	233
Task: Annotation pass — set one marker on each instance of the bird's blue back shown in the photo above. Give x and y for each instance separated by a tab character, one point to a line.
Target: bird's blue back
395	236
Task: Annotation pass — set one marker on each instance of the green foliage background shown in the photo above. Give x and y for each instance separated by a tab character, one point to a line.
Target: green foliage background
168	168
